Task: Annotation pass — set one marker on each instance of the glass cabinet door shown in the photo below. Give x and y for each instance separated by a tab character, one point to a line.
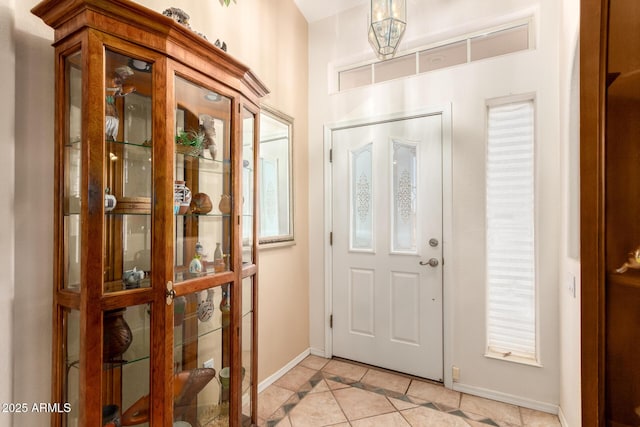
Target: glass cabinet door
248	173
72	174
248	335
202	357
203	196
126	365
68	358
128	172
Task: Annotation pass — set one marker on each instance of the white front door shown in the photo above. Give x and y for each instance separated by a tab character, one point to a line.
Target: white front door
387	245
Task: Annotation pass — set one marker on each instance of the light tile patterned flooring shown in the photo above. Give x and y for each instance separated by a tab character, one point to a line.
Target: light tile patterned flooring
333	392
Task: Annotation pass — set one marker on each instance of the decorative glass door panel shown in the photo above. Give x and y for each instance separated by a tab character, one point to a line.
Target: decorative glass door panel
203	189
72	173
202	357
404	164
362	199
248	168
128	172
126	364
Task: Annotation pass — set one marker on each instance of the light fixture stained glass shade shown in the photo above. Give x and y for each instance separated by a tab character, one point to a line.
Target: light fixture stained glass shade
388	22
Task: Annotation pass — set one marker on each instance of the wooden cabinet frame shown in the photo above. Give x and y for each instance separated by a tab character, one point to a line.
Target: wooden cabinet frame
609	108
124	27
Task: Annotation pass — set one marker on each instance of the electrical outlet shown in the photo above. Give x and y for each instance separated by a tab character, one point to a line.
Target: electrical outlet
208	364
455	373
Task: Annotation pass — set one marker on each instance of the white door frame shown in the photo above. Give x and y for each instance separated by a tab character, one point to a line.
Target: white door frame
447	231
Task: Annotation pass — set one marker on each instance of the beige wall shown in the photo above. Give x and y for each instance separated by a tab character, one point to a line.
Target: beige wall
271	38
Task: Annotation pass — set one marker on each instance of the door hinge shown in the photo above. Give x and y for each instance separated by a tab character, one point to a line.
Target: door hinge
331	155
331	321
331	238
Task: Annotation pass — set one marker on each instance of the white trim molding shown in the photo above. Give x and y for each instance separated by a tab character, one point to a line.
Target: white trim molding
562	418
507	398
282	371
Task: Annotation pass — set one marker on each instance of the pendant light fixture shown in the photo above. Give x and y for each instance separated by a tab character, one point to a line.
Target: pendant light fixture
388	22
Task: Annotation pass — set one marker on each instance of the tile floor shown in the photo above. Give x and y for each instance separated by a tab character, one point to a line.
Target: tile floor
333	392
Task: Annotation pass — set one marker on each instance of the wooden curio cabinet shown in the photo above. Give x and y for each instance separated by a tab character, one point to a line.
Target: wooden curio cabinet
155	283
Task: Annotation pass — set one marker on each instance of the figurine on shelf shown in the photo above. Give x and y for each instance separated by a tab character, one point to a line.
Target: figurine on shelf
181	198
220	45
116	88
225	204
218	261
178	15
111	416
186	386
131	278
196	266
111	120
181	17
200	204
205	307
117	335
207	125
633	261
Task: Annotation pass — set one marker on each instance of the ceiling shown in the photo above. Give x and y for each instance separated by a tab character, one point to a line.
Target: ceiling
314	10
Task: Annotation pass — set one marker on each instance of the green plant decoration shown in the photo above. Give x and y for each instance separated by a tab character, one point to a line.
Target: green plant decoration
226	2
191	138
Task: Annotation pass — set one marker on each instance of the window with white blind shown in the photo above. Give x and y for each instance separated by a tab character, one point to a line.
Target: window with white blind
510	206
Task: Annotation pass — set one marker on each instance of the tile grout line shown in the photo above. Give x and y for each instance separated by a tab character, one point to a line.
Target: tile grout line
325	376
339	406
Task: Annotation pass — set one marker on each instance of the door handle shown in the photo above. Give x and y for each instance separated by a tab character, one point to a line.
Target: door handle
431	263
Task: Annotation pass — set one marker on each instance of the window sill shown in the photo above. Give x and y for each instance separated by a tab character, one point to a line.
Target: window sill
514	359
274	245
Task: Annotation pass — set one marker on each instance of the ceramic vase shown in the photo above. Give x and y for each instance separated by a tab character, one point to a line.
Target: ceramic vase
195	267
225	204
218	261
111	416
181	198
201	204
112	122
117	335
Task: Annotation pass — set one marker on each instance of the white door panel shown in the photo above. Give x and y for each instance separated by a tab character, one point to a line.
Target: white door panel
387	205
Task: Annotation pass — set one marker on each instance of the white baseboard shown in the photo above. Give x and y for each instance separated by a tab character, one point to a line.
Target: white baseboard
279	373
506	398
563	420
319	352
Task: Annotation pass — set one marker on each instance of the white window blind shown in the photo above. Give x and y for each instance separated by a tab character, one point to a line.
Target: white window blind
511	323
